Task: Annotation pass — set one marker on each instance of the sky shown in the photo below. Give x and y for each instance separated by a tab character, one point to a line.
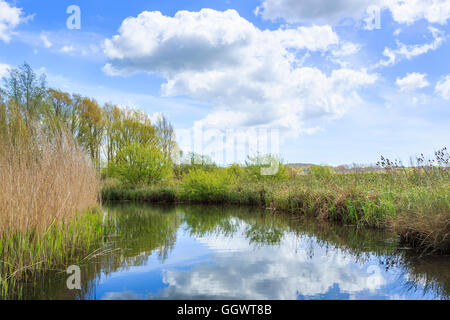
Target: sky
314	81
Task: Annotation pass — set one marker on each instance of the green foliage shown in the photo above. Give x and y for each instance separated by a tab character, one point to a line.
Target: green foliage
236	170
210	186
265	168
139	164
193	161
321	171
26	256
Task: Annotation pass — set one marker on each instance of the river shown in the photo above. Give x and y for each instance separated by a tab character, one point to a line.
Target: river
211	252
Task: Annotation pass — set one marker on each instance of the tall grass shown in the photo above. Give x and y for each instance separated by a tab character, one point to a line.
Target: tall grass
44	186
48	198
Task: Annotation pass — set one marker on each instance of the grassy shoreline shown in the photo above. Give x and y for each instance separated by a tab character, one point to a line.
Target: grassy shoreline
415	205
26	255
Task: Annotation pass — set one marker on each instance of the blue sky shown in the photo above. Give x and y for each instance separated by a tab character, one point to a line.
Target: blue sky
336	86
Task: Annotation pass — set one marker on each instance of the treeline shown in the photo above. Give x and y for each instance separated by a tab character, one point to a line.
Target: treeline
29	107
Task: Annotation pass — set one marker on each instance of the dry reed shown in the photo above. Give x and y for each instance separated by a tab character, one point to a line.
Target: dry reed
49	193
45	185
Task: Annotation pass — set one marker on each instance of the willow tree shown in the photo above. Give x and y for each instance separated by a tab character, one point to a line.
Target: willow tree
124	127
166	137
112	116
62	108
90	131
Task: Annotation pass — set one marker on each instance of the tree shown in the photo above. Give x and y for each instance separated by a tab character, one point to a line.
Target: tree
166	137
112	117
27	91
91	128
138	164
124	127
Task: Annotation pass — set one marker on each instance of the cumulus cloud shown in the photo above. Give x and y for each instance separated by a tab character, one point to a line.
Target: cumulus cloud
412	81
10	17
410	51
443	88
408	12
331	11
251	77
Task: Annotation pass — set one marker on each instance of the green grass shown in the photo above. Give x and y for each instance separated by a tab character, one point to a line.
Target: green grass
24	256
414	203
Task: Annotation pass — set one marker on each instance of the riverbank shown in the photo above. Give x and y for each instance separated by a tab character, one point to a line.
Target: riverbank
414	204
27	255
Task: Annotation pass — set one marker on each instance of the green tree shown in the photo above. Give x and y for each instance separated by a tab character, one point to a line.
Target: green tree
139	164
90	133
27	92
124	127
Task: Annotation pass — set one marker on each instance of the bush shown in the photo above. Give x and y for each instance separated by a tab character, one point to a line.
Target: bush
267	167
140	165
211	186
193	161
321	171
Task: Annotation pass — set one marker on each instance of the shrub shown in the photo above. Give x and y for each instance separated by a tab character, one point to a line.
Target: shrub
193	161
321	171
267	167
211	186
140	165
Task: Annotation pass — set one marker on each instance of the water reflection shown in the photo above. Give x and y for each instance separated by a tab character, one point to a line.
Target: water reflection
196	252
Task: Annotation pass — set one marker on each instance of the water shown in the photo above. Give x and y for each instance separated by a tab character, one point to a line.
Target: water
199	252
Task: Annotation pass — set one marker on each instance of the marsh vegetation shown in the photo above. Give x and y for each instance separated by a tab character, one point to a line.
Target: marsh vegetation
62	154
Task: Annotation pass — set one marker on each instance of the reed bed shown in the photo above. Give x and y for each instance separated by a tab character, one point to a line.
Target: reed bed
48	207
41	188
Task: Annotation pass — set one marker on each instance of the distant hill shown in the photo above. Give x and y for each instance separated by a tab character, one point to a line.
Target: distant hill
300	165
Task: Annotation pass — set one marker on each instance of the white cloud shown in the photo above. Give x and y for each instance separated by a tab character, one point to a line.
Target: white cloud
443	88
10	17
411	51
412	81
408	12
44	38
331	11
4	69
67	49
251	77
346	49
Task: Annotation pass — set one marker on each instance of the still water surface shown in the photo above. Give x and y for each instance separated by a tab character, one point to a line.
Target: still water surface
204	252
